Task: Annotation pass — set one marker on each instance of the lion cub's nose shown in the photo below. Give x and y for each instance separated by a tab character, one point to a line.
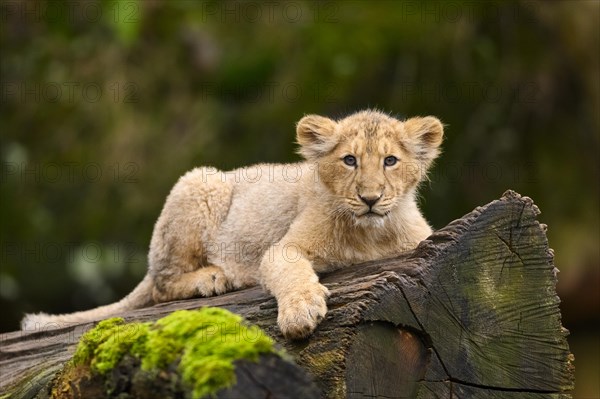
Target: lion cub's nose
370	200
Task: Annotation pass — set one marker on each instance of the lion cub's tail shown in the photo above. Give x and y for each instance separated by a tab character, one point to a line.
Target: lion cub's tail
140	297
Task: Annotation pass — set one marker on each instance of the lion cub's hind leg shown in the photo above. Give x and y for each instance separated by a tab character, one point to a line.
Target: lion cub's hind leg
183	235
206	281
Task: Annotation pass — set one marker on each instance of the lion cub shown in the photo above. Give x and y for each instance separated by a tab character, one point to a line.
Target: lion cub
352	200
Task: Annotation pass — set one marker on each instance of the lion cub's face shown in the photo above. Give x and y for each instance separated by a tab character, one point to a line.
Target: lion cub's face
369	161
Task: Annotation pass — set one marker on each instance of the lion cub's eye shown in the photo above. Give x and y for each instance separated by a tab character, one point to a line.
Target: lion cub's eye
349	160
390	161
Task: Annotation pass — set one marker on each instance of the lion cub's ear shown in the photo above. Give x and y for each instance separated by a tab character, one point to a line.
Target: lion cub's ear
316	136
424	136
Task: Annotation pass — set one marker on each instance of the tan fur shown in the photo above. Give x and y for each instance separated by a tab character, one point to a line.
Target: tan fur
280	225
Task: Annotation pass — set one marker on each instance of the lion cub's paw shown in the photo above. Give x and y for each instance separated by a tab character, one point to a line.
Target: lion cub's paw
300	311
212	282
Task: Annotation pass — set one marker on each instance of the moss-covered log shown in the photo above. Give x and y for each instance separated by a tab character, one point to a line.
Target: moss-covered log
471	313
187	354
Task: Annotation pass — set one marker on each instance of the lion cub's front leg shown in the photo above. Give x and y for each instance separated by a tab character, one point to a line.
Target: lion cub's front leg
301	299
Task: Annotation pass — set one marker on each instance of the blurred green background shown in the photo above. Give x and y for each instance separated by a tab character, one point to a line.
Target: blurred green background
106	103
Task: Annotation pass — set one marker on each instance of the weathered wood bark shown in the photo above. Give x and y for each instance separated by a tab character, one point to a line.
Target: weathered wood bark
471	313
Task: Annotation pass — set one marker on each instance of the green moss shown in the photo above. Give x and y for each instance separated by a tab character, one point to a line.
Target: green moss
206	341
105	345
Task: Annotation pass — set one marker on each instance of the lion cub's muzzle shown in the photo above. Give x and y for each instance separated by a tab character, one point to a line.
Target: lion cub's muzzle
371	200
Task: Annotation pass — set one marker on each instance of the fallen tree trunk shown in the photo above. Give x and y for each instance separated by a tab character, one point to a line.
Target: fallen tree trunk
471	313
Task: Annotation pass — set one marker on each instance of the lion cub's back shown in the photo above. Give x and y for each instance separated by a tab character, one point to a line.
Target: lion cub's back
266	199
